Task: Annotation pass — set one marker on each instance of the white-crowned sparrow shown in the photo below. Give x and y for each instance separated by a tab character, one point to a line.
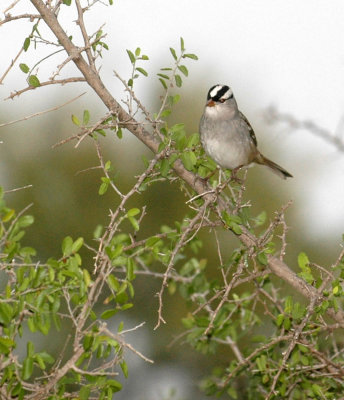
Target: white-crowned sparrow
227	136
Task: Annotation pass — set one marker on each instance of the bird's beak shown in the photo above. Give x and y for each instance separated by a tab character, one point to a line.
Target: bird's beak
210	103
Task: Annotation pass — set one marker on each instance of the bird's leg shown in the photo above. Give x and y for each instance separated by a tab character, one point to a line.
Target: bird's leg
234	176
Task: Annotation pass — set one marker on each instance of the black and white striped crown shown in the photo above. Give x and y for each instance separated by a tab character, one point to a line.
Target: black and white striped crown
220	92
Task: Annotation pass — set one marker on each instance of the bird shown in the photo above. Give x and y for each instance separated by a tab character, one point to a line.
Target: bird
227	136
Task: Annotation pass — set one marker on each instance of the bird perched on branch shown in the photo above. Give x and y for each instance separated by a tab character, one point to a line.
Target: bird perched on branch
227	136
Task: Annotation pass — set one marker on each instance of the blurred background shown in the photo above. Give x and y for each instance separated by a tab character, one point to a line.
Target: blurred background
288	55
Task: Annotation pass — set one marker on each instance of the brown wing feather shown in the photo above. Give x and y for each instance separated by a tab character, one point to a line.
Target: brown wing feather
250	129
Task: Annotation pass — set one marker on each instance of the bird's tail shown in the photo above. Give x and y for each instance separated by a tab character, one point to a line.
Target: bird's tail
278	170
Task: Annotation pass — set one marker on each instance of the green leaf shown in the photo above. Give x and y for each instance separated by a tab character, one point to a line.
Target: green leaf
260	218
192	56
262	258
178	80
132	212
87	277
108	313
182	47
189	160
26	43
84	392
5	345
6	313
30	349
77	245
103	187
193	140
279	319
183	70
173	52
115	385
113	282
124	368
25	221
27	368
163	83
137	52
67	2
86	117
134	223
67	245
303	260
144	57
9	215
75	120
34	81
131	56
288	307
165	167
24	68
142	71
164	76
98	231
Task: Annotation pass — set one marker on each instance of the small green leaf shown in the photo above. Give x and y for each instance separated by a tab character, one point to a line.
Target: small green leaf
113	282
84	392
25	221
131	56
144	57
86	117
67	244
77	245
189	160
192	56
124	368
9	215
165	167
108	314
173	52
182	47
134	223
115	385
30	349
303	260
5	345
24	68
262	258
279	319
178	80
34	81
163	83
6	313
26	43
164	76
107	165
183	70
27	368
142	71
87	277
137	52
133	211
75	120
67	2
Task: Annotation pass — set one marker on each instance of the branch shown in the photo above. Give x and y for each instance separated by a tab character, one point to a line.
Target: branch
278	267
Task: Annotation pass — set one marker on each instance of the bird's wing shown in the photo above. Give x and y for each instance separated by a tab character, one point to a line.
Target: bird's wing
250	129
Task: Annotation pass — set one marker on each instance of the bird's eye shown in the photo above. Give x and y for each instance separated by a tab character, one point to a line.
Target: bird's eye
222	100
